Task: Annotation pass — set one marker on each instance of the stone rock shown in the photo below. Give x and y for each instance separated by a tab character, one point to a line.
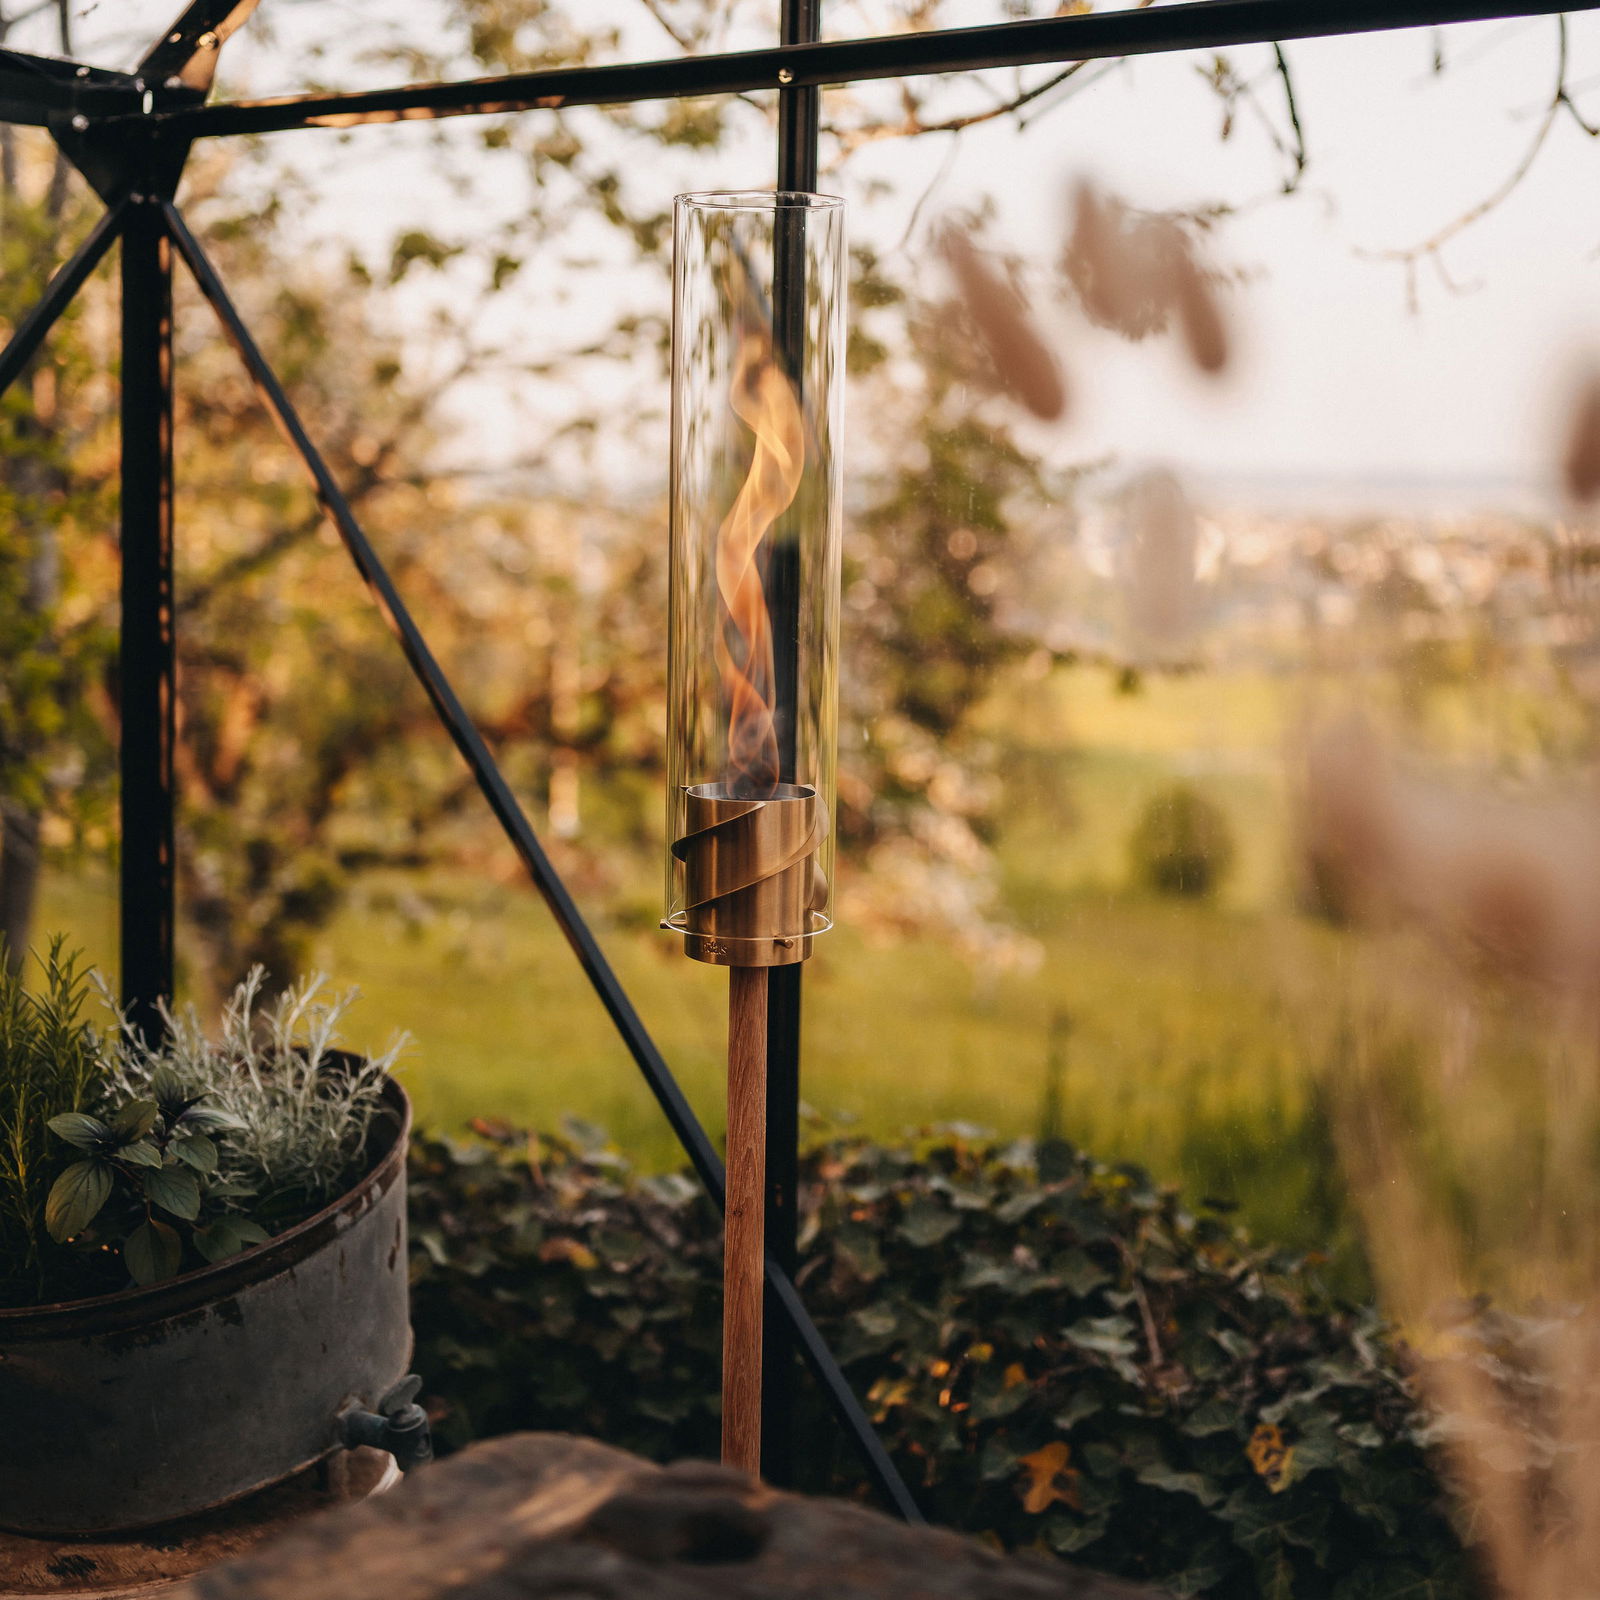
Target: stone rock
550	1517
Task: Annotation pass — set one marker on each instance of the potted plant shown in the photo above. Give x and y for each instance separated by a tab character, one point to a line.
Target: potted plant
202	1253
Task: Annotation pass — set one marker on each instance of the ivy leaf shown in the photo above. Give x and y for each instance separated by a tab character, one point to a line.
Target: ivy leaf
1081	1273
1109	1336
1160	1476
1272	1458
1049	1478
86	1132
174	1189
153	1251
1218	1416
134	1120
196	1151
926	1224
75	1198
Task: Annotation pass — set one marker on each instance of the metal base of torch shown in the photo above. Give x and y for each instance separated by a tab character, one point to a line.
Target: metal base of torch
755	894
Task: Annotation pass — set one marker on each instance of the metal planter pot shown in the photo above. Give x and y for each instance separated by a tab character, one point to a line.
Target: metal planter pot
135	1408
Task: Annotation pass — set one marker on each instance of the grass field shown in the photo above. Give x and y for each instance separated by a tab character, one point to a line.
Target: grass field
1185	1036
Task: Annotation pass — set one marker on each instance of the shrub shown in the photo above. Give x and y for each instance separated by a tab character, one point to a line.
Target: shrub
1058	1353
1182	844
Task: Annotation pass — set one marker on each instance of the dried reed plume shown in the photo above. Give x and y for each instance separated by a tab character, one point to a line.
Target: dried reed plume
1473	1164
1509	886
1135	272
1581	463
1159	585
1021	359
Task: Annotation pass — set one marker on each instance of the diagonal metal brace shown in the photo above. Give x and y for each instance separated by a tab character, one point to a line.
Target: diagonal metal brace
185	56
459	725
58	295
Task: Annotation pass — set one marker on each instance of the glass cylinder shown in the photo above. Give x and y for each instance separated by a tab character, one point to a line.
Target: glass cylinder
757	389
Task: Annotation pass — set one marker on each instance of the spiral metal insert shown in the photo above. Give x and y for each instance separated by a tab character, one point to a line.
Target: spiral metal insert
755	893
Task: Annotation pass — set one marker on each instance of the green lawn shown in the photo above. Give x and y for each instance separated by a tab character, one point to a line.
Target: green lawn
1184	1036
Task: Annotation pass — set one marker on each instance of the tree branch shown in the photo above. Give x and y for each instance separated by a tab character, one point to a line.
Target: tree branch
1431	249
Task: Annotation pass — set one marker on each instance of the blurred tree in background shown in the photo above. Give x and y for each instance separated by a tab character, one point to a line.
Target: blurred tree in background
56	699
305	752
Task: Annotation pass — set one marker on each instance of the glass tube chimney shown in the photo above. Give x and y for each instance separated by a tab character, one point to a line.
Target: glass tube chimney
757	386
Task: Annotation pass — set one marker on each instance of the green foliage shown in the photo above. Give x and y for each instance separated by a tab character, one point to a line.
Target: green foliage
128	1159
50	1068
146	1186
1182	844
1057	1352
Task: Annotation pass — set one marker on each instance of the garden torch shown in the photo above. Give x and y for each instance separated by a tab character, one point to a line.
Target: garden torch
757	379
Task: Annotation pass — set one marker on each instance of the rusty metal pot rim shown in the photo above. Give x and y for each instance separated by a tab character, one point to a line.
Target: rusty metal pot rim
148	1302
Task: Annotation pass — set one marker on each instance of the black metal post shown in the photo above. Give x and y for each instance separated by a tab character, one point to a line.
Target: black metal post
147	666
797	170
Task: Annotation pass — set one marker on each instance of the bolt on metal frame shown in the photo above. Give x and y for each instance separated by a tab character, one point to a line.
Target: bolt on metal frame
129	133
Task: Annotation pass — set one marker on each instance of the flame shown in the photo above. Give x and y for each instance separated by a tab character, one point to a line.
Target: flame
764	400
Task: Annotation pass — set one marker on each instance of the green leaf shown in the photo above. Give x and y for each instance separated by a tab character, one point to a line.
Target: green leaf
1110	1336
153	1251
83	1131
174	1189
1160	1476
135	1120
197	1151
168	1089
1216	1415
141	1153
76	1198
1081	1273
1084	1403
926	1224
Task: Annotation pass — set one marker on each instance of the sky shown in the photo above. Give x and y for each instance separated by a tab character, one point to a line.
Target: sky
1345	382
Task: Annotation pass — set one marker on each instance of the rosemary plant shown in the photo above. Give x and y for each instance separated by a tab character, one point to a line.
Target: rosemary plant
51	1064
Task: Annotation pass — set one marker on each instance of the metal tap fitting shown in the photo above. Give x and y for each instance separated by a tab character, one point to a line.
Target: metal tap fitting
399	1425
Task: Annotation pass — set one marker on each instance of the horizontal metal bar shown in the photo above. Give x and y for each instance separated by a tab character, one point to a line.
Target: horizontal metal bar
35	89
459	725
1205	25
58	295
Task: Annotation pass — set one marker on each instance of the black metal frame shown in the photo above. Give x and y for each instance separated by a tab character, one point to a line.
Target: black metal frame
130	133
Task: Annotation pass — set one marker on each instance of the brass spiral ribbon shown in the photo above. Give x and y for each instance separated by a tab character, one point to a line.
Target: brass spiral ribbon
754	890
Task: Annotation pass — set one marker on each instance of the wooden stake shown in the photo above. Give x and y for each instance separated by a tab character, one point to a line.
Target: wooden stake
744	1239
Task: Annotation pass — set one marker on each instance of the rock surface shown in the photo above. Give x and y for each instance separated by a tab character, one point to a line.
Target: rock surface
550	1517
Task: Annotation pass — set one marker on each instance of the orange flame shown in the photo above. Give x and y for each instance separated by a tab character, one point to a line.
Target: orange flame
764	400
